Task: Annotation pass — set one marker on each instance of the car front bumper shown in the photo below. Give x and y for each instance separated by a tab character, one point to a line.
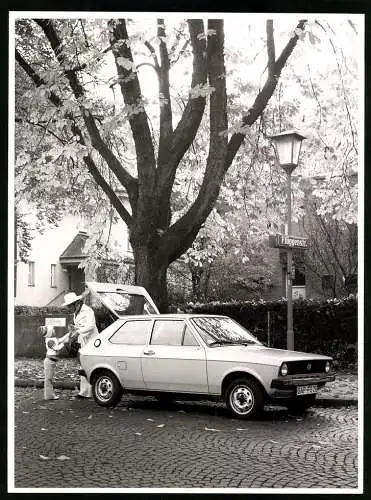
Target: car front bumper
285	387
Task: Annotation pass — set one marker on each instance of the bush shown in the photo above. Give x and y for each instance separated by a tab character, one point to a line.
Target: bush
320	326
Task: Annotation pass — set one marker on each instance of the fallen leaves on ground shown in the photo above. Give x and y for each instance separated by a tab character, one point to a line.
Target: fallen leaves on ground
27	368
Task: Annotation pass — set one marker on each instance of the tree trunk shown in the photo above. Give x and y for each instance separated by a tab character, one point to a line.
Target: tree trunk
151	273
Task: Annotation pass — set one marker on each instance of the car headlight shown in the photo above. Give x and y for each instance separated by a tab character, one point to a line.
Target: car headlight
327	366
284	369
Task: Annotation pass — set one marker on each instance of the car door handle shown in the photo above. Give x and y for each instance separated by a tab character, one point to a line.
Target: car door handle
149	353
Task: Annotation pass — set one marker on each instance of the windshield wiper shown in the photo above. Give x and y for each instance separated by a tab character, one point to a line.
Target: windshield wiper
221	342
245	342
232	342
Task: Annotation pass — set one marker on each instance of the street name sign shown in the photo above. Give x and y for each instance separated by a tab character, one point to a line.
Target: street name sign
287	241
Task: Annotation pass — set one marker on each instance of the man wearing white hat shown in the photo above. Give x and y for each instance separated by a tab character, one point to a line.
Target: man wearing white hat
85	327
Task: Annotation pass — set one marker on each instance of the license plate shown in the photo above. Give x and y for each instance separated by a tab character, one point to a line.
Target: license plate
306	389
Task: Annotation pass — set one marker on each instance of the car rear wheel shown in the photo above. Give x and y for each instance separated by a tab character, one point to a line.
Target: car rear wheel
244	398
107	390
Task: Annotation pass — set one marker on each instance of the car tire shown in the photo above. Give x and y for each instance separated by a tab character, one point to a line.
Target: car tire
244	398
107	390
302	404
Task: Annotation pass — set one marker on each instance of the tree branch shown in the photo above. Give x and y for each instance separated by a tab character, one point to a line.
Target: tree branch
271	51
121	173
114	199
331	245
186	130
183	232
131	91
147	64
187	127
152	51
44	127
181	52
264	95
166	119
185	229
93	169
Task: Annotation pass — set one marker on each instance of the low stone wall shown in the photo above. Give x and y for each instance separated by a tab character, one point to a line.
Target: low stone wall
27	340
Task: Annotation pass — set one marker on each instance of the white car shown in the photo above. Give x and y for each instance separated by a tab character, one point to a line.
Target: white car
193	356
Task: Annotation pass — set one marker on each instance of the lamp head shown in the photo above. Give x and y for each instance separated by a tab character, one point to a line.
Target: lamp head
287	146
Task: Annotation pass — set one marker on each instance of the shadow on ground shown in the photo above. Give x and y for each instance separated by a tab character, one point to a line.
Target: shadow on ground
206	408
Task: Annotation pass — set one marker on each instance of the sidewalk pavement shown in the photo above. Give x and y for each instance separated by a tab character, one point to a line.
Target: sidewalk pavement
332	398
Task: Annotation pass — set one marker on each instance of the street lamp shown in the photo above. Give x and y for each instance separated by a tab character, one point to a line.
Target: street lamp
287	146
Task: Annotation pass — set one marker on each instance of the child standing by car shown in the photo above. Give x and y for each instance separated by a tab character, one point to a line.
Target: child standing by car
53	345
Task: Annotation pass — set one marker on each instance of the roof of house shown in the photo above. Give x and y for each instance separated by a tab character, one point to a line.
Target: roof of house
73	254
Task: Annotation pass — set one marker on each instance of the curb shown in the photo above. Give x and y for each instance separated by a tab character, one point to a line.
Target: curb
19	382
325	402
335	402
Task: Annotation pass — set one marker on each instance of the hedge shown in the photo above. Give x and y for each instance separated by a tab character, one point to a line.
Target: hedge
27	320
39	311
320	326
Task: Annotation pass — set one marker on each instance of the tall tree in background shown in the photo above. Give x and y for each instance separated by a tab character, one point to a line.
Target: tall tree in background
157	240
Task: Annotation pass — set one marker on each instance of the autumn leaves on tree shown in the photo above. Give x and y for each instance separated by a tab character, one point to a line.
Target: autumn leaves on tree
156	240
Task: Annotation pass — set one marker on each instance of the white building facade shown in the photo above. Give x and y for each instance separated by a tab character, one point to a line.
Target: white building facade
52	268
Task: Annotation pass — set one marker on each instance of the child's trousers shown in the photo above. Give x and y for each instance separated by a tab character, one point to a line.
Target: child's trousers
49	373
85	388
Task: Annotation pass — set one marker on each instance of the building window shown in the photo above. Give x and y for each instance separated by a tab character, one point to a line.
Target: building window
53	268
31	274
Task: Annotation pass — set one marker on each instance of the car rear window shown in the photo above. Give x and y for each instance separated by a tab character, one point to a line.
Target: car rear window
125	304
132	333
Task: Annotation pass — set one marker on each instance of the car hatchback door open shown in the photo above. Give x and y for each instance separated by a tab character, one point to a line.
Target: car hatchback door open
111	301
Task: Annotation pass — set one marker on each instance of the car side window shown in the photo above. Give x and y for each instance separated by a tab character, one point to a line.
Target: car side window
188	338
132	333
167	332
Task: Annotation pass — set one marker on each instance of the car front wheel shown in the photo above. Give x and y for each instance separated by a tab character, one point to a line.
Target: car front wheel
244	398
107	390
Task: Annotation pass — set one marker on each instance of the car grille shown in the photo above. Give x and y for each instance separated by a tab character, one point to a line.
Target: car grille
302	367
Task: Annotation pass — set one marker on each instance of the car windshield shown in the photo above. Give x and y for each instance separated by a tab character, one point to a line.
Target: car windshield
124	303
223	331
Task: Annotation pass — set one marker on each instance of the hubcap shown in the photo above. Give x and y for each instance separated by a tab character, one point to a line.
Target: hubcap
242	399
104	388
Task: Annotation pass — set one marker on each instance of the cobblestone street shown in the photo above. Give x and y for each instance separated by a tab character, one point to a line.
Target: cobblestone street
144	444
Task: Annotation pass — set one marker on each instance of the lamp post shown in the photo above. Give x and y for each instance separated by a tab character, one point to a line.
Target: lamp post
287	146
